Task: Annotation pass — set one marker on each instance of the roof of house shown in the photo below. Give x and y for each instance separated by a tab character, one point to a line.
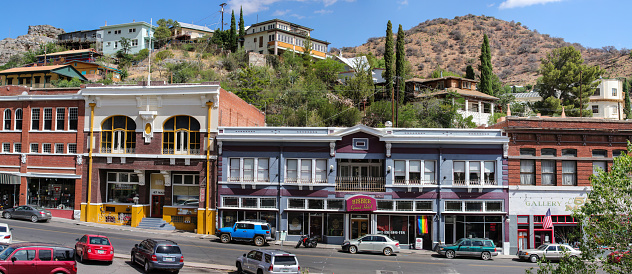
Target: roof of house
128	24
65	70
96	64
283	21
419	80
353	61
464	92
533	94
70	52
195	27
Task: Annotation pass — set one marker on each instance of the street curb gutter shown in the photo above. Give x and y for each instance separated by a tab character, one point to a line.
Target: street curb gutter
191	264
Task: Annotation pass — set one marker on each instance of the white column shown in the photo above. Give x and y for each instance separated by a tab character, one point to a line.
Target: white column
466	105
347	232
492	106
480	107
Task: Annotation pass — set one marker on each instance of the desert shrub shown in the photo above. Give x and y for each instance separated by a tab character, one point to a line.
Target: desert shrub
165	54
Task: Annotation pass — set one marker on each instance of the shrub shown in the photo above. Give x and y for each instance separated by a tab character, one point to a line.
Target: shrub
165	54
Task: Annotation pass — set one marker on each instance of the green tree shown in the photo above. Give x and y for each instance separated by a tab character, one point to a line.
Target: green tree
485	84
165	30
438	72
126	45
388	58
183	72
400	62
232	37
360	87
327	70
469	72
242	28
307	52
565	77
627	110
251	81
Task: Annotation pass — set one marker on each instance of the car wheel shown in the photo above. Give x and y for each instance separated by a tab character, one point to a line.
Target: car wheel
387	251
450	254
147	267
7	215
259	241
486	256
534	258
239	269
353	249
224	238
132	259
34	219
259	271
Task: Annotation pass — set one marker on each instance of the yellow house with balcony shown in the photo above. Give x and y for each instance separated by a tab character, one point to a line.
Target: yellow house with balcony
276	36
39	76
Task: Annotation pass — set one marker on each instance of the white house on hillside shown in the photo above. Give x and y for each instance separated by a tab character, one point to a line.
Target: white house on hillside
137	32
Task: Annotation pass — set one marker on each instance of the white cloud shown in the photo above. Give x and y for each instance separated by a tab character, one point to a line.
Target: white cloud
329	2
323	11
490	5
402	2
298	16
510	4
281	12
250	6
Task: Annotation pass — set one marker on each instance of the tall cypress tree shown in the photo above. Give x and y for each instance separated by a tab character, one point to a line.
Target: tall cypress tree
400	60
233	33
388	58
627	109
485	86
242	28
469	72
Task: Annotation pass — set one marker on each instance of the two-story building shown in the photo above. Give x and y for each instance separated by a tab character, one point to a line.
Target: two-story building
81	39
608	100
138	33
39	76
151	153
550	163
188	31
83	60
41	161
276	36
436	185
476	104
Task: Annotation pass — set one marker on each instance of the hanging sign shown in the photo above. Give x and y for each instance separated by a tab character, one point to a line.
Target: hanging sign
361	203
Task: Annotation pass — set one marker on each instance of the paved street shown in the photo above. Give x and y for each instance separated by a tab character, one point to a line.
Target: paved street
216	257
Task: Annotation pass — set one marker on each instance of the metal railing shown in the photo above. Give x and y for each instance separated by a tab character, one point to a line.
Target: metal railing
192	151
369	184
304	181
474	183
117	151
414	182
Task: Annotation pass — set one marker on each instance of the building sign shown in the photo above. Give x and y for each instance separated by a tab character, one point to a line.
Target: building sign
538	202
361	203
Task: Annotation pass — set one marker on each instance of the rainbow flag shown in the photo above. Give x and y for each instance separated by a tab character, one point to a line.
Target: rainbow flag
422	222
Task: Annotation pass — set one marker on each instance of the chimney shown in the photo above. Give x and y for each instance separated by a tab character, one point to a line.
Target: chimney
508	111
134	20
563	113
106	22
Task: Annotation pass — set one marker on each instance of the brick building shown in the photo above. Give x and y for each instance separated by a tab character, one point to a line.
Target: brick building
41	160
153	153
550	162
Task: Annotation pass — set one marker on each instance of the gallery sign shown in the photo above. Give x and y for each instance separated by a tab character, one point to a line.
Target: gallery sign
538	202
361	203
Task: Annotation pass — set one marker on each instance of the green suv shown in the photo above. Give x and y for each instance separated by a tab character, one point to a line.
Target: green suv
473	247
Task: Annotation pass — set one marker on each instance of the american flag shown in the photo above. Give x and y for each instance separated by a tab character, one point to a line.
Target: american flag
547	222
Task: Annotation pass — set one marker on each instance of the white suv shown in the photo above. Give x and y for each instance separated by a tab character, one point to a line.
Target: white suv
268	261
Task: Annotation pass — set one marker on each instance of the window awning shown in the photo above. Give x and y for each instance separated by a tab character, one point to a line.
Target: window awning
9	179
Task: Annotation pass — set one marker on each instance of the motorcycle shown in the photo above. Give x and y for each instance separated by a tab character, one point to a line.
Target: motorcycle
307	241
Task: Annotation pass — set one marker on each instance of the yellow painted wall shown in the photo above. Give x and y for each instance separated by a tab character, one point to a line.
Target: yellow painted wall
13	79
206	221
122	214
168	212
138	213
297	48
91	69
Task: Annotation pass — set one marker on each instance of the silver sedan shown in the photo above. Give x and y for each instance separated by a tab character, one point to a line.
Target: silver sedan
372	243
551	252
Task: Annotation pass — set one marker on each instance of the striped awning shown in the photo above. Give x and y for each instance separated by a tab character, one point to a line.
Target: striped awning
9	179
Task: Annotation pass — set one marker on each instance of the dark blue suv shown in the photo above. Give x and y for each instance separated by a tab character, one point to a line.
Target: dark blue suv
255	231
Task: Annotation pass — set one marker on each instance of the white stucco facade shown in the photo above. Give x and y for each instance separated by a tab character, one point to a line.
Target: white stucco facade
137	32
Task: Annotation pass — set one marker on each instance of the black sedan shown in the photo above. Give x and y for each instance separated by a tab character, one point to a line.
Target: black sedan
27	212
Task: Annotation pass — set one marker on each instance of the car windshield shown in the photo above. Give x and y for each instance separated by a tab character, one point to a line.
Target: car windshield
284	260
99	241
542	247
458	242
168	249
5	253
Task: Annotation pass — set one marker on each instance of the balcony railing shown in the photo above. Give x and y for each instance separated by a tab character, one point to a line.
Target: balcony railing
192	151
474	183
247	180
117	151
368	184
304	181
414	182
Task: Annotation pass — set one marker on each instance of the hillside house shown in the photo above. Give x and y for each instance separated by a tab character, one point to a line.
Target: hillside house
191	32
137	32
39	76
276	36
82	39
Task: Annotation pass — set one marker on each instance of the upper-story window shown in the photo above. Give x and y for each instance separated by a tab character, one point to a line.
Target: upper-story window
48	118
18	119
73	118
466	85
474	172
118	135
614	91
249	170
35	118
440	85
61	118
306	171
181	135
414	172
597	92
7	119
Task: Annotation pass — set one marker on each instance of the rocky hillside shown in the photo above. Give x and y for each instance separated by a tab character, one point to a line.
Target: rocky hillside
453	44
37	36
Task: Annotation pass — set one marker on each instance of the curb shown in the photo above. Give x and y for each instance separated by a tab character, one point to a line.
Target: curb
191	264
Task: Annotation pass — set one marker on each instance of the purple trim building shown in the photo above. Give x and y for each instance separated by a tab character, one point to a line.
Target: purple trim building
437	185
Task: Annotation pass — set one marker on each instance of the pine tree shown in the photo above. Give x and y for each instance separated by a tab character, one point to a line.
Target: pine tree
485	85
242	28
469	72
400	61
388	58
233	33
627	110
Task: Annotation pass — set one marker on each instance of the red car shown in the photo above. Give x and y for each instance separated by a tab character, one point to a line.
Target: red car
617	256
94	248
38	258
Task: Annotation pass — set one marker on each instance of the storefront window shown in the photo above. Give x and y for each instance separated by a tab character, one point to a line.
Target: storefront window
296	203
473	206
249	202
296	223
493	206
186	190
230	202
315	204
423	206
404	206
453	206
384	205
52	193
229	218
267	203
335	225
122	187
334	204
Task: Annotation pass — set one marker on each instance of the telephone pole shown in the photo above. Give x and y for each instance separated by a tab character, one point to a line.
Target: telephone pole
222	5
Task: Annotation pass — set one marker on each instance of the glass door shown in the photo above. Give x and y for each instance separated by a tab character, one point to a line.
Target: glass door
359	226
181	142
523	240
316	225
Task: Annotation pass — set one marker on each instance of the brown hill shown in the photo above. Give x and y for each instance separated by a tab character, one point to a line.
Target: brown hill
452	44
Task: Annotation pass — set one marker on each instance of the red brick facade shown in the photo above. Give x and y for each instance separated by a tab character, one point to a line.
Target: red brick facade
585	135
235	112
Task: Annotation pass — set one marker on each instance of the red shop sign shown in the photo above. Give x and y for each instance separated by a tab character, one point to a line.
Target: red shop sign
361	203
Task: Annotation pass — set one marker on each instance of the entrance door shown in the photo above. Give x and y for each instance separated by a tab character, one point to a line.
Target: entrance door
359	227
157	201
542	237
182	142
316	225
523	240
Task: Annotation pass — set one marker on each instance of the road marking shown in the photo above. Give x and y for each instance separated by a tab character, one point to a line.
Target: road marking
491	265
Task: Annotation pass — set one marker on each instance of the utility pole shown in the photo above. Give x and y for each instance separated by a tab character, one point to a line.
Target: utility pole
581	103
222	5
397	102
393	104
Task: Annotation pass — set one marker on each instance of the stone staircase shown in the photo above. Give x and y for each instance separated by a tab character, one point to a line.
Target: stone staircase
155	223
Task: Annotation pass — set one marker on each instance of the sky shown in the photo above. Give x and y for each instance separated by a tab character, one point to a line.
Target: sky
343	23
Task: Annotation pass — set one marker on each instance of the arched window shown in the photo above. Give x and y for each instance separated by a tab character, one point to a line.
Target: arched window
7	119
118	135
181	135
18	119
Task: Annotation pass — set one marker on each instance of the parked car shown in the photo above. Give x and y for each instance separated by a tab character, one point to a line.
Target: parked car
256	231
473	247
94	248
5	234
38	258
158	254
617	256
551	252
27	212
372	243
268	261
